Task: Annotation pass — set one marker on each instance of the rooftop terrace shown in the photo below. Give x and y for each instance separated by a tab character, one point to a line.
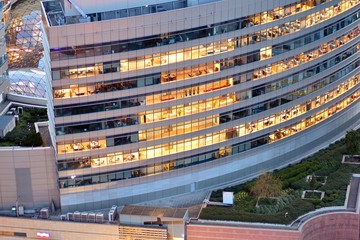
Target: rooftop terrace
56	14
323	173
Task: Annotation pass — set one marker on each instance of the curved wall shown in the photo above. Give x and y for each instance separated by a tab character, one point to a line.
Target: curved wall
198	97
331	226
337	226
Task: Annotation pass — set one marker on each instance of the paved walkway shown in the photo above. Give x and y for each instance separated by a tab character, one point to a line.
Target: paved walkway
180	201
192	201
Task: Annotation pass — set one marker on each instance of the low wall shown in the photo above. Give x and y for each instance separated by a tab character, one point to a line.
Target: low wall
27	100
334	226
235	232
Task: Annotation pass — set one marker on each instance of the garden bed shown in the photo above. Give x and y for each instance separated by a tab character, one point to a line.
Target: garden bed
355	159
312	179
24	133
326	166
313	194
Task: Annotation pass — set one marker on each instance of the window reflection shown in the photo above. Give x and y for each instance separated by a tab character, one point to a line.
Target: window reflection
197	51
244	22
208	104
197	159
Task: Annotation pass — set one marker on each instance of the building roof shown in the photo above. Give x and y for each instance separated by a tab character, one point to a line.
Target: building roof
154	211
5	120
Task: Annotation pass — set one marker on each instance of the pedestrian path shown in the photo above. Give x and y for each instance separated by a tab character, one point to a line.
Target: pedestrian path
192	201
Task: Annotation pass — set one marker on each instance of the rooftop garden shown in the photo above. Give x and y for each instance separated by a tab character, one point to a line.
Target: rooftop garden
24	133
282	196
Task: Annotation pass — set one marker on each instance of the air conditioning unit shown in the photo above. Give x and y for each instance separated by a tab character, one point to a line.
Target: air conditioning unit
21	210
84	216
63	217
44	213
70	216
111	216
99	218
112	213
20	110
77	216
91	217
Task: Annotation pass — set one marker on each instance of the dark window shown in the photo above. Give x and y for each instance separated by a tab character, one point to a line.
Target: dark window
19	234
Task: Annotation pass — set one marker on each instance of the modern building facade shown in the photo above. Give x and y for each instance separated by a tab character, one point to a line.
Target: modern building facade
150	99
4	81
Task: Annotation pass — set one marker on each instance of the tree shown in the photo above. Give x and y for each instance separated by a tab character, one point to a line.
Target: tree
33	139
267	186
352	143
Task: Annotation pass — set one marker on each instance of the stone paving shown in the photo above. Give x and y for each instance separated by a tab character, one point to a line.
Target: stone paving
192	201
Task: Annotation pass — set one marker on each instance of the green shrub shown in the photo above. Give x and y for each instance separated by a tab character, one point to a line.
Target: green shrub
33	139
315	201
300	184
24	133
240	196
271	205
326	162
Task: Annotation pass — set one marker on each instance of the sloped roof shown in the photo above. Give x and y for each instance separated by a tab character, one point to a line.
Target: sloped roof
4	121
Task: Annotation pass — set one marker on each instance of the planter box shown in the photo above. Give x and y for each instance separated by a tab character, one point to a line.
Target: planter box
355	159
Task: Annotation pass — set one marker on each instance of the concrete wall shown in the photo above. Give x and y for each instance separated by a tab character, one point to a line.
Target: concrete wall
233	232
58	230
27	99
29	176
175	230
334	226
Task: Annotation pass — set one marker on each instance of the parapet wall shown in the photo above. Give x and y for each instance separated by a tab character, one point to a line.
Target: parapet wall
234	232
334	226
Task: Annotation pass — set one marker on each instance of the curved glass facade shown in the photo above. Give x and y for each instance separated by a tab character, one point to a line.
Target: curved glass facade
134	106
28	82
23	33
